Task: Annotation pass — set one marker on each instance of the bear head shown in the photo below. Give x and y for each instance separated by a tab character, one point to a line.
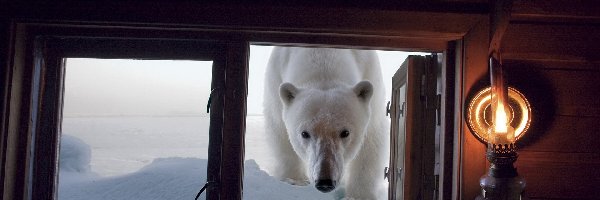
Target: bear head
326	127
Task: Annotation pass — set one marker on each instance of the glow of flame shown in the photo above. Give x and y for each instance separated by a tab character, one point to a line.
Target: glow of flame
501	119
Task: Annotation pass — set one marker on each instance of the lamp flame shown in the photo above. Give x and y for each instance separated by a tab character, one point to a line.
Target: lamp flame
501	119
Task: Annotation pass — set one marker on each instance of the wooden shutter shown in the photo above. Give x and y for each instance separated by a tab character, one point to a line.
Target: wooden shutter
413	128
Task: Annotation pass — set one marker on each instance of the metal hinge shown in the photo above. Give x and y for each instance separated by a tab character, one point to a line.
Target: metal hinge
386	173
388	109
401	109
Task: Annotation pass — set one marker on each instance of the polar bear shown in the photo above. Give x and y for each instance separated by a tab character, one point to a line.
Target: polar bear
325	120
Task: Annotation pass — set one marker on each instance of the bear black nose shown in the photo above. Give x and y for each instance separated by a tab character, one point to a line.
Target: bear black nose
325	185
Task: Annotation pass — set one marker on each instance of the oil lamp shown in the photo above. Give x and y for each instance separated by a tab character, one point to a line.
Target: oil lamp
502	181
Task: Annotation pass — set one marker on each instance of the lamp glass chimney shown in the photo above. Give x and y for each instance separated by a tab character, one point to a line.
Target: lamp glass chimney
501	132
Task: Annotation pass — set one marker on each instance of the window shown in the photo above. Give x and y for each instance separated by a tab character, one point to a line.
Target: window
33	122
49	72
134	129
65	48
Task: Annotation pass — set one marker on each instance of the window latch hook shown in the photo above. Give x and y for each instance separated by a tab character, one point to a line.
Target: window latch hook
208	183
209	100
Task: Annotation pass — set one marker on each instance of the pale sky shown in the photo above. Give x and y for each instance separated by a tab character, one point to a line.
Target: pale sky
166	87
136	87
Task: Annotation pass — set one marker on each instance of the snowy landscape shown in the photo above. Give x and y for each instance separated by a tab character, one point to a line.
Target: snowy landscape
138	129
130	158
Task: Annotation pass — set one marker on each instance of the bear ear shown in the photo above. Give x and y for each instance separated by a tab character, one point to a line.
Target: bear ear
287	92
364	90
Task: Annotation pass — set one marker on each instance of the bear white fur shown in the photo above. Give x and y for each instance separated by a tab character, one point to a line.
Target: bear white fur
325	117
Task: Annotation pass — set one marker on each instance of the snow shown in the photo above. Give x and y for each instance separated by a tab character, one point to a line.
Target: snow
175	178
75	155
117	161
122	145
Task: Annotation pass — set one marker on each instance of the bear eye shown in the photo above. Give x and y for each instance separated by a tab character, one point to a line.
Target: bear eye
345	134
305	135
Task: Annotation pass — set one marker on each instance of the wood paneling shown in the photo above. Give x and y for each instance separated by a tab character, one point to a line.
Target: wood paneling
576	65
566	11
550	51
566	107
559	156
551	175
524	41
576	92
558	88
566	134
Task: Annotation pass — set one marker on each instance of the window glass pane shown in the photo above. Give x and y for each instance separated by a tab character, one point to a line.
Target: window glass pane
134	129
262	180
400	137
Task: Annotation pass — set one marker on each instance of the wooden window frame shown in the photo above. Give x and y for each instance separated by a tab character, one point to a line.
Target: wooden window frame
460	34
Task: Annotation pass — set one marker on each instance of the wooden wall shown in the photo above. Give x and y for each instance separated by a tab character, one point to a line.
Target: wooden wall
551	52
